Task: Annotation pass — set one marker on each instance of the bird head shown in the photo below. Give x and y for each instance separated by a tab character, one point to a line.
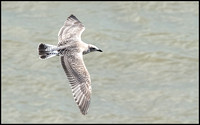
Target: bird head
93	48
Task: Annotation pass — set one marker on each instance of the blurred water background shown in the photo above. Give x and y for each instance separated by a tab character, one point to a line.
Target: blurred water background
148	71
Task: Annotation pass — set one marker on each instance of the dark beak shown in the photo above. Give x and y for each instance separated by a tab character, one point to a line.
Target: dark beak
99	50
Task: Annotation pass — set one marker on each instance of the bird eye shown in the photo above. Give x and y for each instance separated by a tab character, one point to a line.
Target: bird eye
92	49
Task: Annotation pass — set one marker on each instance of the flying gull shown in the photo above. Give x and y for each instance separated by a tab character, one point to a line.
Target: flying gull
71	50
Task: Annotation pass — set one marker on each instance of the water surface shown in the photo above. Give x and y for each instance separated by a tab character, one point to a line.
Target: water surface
147	73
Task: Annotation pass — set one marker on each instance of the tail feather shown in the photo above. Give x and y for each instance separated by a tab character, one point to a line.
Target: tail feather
47	51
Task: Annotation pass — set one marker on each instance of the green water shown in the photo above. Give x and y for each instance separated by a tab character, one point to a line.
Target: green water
147	73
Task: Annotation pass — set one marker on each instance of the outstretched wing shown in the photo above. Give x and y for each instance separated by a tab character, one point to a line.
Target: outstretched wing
70	31
79	79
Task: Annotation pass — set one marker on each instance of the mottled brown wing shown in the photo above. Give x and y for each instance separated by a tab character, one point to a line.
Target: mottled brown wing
70	31
79	79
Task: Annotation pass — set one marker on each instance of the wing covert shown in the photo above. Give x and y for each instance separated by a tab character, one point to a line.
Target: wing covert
79	79
70	31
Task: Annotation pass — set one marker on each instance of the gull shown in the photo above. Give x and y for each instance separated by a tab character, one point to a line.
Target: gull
71	49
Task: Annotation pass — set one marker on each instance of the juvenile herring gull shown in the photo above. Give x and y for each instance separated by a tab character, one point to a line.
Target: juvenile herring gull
71	49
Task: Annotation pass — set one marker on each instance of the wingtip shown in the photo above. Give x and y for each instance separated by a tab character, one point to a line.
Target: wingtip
72	16
84	113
